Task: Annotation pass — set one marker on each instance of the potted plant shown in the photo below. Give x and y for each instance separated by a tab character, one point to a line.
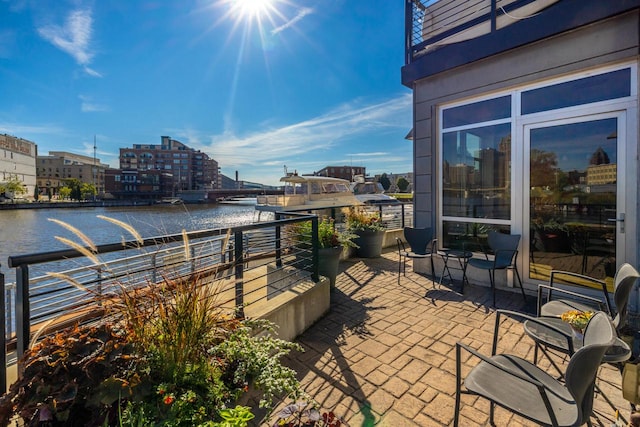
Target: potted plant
369	229
331	243
166	353
578	320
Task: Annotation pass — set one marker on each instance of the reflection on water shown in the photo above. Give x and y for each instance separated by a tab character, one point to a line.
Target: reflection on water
26	231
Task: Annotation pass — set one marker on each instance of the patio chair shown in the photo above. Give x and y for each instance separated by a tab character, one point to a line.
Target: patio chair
566	300
505	255
521	387
421	243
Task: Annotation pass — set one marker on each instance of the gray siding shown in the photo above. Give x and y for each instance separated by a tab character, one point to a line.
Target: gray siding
606	42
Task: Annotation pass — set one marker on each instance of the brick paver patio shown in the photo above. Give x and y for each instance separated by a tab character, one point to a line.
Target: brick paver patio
385	353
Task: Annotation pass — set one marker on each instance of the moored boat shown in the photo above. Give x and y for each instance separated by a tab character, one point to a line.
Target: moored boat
307	192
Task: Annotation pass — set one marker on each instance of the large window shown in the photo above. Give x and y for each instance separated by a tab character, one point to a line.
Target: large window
558	176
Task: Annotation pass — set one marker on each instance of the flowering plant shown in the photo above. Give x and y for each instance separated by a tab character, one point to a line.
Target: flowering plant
358	219
576	318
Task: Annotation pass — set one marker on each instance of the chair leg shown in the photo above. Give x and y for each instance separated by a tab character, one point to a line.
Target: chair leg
524	296
492	408
456	411
493	285
399	267
433	269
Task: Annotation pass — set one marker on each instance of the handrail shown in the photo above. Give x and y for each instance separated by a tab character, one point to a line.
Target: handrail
133	267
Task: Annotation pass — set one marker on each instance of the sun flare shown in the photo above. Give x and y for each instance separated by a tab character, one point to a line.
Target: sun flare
253	8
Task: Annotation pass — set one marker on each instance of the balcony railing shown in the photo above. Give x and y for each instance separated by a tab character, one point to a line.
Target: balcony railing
431	24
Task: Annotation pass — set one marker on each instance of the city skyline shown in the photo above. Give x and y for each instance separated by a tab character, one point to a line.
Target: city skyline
255	84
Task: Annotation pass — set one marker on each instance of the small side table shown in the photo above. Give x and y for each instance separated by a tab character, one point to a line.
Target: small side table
462	257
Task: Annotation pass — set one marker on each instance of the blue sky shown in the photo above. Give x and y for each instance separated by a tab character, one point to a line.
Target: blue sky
256	84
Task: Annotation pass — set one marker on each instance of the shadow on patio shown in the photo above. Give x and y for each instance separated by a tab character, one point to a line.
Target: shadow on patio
385	353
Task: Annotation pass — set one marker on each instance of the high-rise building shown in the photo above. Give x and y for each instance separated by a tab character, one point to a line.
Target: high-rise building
163	170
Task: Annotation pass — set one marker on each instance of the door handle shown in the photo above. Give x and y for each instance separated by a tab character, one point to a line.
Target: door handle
620	219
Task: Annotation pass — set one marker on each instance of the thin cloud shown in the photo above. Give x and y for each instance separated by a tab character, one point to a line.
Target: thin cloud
73	38
313	138
18	129
301	14
88	106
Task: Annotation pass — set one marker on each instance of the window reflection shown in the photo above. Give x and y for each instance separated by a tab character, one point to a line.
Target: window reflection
476	172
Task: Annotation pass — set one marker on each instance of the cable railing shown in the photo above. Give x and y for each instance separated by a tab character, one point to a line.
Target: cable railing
249	265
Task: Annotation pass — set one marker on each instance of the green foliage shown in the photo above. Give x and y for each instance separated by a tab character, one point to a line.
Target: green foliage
13	186
165	354
402	184
328	235
64	192
88	191
385	181
75	376
306	414
358	219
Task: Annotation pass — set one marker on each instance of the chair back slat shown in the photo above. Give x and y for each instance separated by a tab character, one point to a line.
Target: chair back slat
505	247
418	239
625	278
583	366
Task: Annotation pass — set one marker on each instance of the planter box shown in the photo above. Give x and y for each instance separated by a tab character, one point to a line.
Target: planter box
369	243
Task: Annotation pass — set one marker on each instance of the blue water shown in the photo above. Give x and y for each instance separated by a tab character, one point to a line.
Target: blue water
27	231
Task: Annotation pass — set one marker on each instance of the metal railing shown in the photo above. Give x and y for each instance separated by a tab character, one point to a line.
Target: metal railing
428	23
241	260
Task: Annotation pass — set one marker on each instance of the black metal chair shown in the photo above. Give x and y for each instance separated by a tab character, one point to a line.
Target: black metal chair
519	386
550	332
422	245
505	255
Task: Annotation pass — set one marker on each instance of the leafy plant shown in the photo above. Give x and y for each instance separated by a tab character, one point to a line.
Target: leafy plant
165	354
328	235
358	219
305	414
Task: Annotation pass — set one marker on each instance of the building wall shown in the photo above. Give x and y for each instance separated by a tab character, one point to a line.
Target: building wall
606	42
53	169
18	159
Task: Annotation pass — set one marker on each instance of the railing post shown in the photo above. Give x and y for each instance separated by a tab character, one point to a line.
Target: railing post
154	268
408	31
402	213
23	312
278	243
239	271
3	331
315	244
493	16
99	290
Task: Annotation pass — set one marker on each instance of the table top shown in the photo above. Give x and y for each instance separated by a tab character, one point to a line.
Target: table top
456	253
618	352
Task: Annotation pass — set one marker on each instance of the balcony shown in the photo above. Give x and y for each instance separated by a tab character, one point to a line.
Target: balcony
444	34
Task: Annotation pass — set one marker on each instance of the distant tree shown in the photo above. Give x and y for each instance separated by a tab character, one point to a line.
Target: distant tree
76	188
543	168
12	187
402	184
36	193
385	181
64	192
88	191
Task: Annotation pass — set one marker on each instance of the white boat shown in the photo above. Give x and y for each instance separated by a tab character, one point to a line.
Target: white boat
170	201
244	201
304	193
370	192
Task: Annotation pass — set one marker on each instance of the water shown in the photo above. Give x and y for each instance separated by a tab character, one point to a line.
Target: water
27	231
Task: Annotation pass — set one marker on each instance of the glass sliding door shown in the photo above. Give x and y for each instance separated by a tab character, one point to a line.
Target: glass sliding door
572	187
